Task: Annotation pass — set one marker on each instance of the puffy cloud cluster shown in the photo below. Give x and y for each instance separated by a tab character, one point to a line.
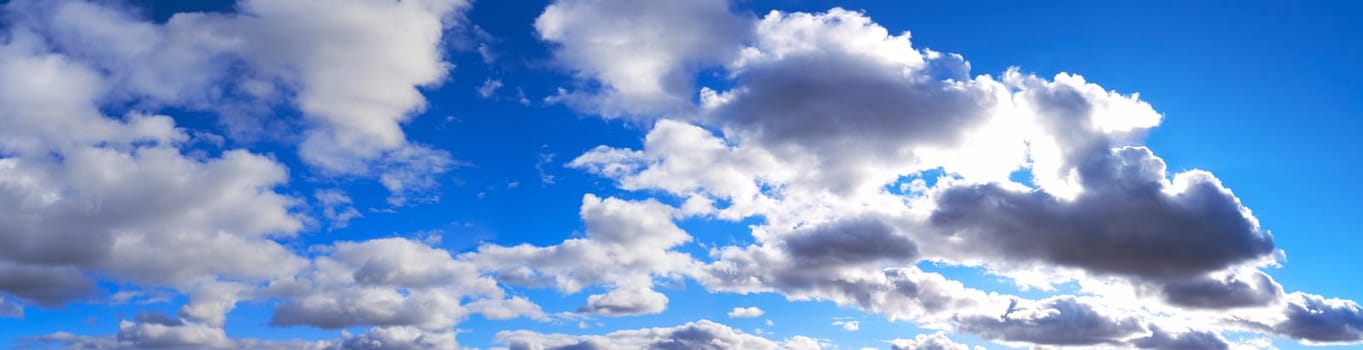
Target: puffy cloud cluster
627	245
166	333
652	79
389	282
132	199
88	195
828	128
702	334
352	69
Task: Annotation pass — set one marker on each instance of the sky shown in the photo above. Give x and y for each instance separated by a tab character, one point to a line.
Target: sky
700	174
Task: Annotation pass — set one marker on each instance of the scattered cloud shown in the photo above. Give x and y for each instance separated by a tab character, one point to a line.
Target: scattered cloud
849	158
746	312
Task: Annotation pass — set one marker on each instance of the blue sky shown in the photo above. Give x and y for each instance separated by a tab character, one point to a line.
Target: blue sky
381	174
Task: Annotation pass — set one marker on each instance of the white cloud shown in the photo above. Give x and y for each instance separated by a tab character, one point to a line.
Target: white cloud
87	194
850	326
489	87
353	69
746	312
935	341
627	244
801	342
616	43
337	208
391	282
809	146
819	117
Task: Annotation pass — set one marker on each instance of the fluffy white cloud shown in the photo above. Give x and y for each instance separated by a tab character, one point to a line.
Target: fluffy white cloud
390	282
353	69
627	245
617	44
88	196
746	312
935	341
397	338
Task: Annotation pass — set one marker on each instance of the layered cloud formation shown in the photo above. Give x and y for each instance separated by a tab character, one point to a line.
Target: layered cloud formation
860	158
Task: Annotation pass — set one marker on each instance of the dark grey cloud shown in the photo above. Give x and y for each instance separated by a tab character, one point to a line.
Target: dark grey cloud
1233	290
853	109
1062	320
848	242
1318	320
45	286
814	256
1126	221
846	103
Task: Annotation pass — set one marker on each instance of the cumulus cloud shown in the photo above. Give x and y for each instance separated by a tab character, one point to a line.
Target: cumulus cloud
852	263
746	312
841	92
702	334
1219	292
88	195
43	285
626	301
390	282
823	114
627	244
1055	321
935	341
1188	340
353	69
824	127
154	331
1124	216
616	45
397	338
1315	320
